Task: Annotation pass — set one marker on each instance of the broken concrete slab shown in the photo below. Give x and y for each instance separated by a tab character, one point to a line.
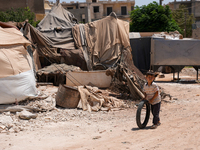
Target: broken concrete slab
26	115
5	120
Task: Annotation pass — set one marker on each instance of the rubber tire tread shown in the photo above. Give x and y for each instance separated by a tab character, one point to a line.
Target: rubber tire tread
138	114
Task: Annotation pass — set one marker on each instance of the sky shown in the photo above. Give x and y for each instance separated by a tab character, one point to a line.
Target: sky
137	2
146	2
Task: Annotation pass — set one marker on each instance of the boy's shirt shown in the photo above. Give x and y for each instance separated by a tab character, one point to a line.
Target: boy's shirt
150	91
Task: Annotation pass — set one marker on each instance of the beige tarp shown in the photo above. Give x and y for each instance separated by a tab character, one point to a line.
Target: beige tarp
111	37
11	36
14	58
92	99
105	39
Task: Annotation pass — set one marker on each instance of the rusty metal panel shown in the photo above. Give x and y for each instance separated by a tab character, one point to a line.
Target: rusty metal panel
175	52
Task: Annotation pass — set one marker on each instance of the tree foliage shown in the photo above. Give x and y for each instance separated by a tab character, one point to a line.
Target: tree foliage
18	15
152	18
184	20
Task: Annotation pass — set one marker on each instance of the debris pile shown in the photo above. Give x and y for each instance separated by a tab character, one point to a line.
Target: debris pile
55	73
92	99
38	112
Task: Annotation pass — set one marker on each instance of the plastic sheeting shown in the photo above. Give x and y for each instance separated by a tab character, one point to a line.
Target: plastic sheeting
17	87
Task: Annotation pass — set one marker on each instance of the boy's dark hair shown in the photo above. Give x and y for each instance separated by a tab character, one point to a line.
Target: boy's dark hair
151	72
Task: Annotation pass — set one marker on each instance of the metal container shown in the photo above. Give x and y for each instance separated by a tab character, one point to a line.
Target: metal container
67	97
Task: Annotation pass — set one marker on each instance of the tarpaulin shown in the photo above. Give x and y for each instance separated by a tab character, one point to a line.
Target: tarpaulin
17	80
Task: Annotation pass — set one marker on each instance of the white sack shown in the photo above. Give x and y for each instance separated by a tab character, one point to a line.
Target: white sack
17	87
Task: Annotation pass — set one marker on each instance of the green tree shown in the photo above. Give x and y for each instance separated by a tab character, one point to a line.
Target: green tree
184	20
18	15
152	18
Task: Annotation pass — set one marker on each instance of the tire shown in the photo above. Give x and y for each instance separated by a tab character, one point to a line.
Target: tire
143	124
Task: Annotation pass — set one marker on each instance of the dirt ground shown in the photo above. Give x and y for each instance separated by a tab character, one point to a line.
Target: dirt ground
117	130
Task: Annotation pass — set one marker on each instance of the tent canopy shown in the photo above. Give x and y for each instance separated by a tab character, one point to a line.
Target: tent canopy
57	27
58	17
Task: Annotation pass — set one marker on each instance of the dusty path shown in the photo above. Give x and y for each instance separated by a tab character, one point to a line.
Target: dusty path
117	130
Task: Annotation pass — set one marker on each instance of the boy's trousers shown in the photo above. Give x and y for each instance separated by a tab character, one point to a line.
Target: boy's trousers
155	109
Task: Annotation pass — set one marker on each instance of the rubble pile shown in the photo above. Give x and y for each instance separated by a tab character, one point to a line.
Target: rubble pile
38	112
12	123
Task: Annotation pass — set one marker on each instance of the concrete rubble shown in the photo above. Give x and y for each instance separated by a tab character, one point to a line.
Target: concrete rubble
36	113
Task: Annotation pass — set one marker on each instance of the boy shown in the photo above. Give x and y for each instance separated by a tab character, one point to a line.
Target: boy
152	94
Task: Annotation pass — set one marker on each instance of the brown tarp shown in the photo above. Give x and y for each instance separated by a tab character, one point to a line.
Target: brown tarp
53	39
42	43
8	25
73	57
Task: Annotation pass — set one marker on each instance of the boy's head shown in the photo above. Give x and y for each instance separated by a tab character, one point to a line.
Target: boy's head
150	76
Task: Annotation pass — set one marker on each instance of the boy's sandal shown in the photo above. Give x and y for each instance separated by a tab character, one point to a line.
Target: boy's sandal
158	123
153	126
